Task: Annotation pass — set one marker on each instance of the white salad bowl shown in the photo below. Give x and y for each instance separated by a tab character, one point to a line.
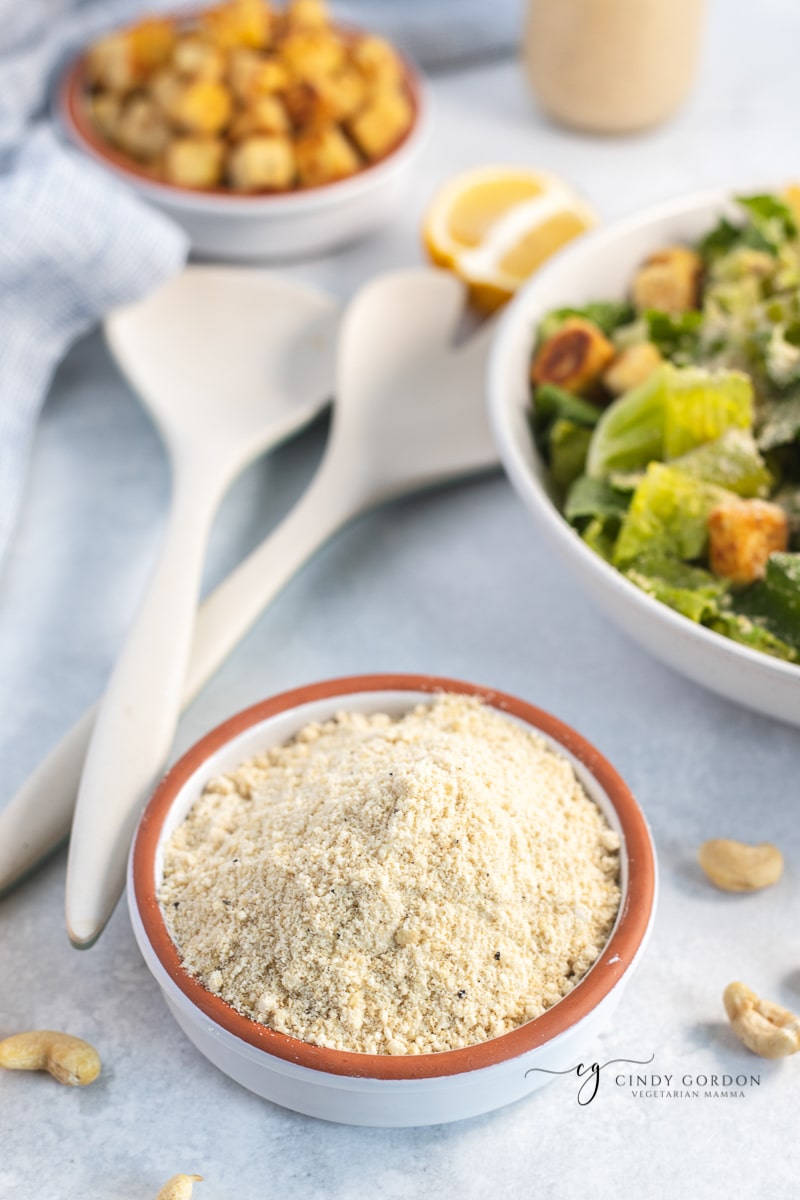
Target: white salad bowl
600	266
386	1090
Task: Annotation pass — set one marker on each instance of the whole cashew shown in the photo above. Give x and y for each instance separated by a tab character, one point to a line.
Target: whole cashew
179	1187
737	867
68	1059
764	1027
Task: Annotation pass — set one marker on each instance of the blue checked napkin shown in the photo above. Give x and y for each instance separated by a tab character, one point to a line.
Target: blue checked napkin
74	242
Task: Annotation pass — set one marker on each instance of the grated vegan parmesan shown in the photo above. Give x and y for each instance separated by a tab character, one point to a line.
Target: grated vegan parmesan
394	886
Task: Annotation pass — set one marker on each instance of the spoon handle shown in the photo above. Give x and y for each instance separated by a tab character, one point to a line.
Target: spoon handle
37	819
137	716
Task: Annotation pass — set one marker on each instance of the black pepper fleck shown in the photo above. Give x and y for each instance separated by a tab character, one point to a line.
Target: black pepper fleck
461	993
497	955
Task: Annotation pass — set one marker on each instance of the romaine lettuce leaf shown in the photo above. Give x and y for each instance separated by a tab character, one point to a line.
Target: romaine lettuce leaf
781	425
768	226
607	315
668	516
689	590
770	219
742	629
601	534
732	461
700	406
674	410
568	445
677	336
594	498
774	602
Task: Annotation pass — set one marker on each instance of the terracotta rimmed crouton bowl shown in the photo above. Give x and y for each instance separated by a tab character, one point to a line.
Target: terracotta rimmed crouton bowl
268	225
389	1089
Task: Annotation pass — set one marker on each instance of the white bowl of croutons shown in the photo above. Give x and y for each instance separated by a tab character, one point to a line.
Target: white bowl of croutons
266	133
612	265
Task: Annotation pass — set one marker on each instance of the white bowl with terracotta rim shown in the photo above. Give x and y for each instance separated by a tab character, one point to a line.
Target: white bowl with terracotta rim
600	266
269	226
386	1090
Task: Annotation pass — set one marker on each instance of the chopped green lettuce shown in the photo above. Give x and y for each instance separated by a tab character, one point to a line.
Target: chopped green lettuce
700	406
774	602
677	337
732	461
689	590
781	426
768	226
607	315
594	498
742	629
551	402
721	240
668	516
568	446
601	534
672	411
770	221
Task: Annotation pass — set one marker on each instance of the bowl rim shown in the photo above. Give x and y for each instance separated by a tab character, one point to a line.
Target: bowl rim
75	120
618	954
521	310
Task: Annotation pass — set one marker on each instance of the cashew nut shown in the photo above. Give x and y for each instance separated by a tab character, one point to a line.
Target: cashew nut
68	1059
737	867
179	1187
764	1027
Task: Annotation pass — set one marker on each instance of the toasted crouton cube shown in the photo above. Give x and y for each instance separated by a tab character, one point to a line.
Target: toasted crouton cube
310	54
262	163
202	107
344	93
165	89
198	59
324	155
105	108
742	535
668	281
306	105
377	61
110	64
152	42
574	358
378	127
142	130
252	74
306	14
123	61
265	114
631	367
194	162
239	23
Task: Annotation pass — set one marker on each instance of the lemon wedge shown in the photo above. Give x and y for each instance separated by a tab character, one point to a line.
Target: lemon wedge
494	226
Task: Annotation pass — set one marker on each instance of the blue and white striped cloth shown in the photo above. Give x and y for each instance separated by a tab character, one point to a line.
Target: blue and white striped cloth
75	242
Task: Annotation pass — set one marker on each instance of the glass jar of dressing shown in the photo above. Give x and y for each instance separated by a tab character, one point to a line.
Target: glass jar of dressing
611	66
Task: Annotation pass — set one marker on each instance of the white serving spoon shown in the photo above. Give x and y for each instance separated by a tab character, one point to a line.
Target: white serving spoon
409	414
228	363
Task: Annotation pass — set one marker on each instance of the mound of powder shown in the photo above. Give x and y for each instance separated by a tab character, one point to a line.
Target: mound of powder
394	886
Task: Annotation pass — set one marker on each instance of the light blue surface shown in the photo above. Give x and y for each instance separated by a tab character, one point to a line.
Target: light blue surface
456	583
